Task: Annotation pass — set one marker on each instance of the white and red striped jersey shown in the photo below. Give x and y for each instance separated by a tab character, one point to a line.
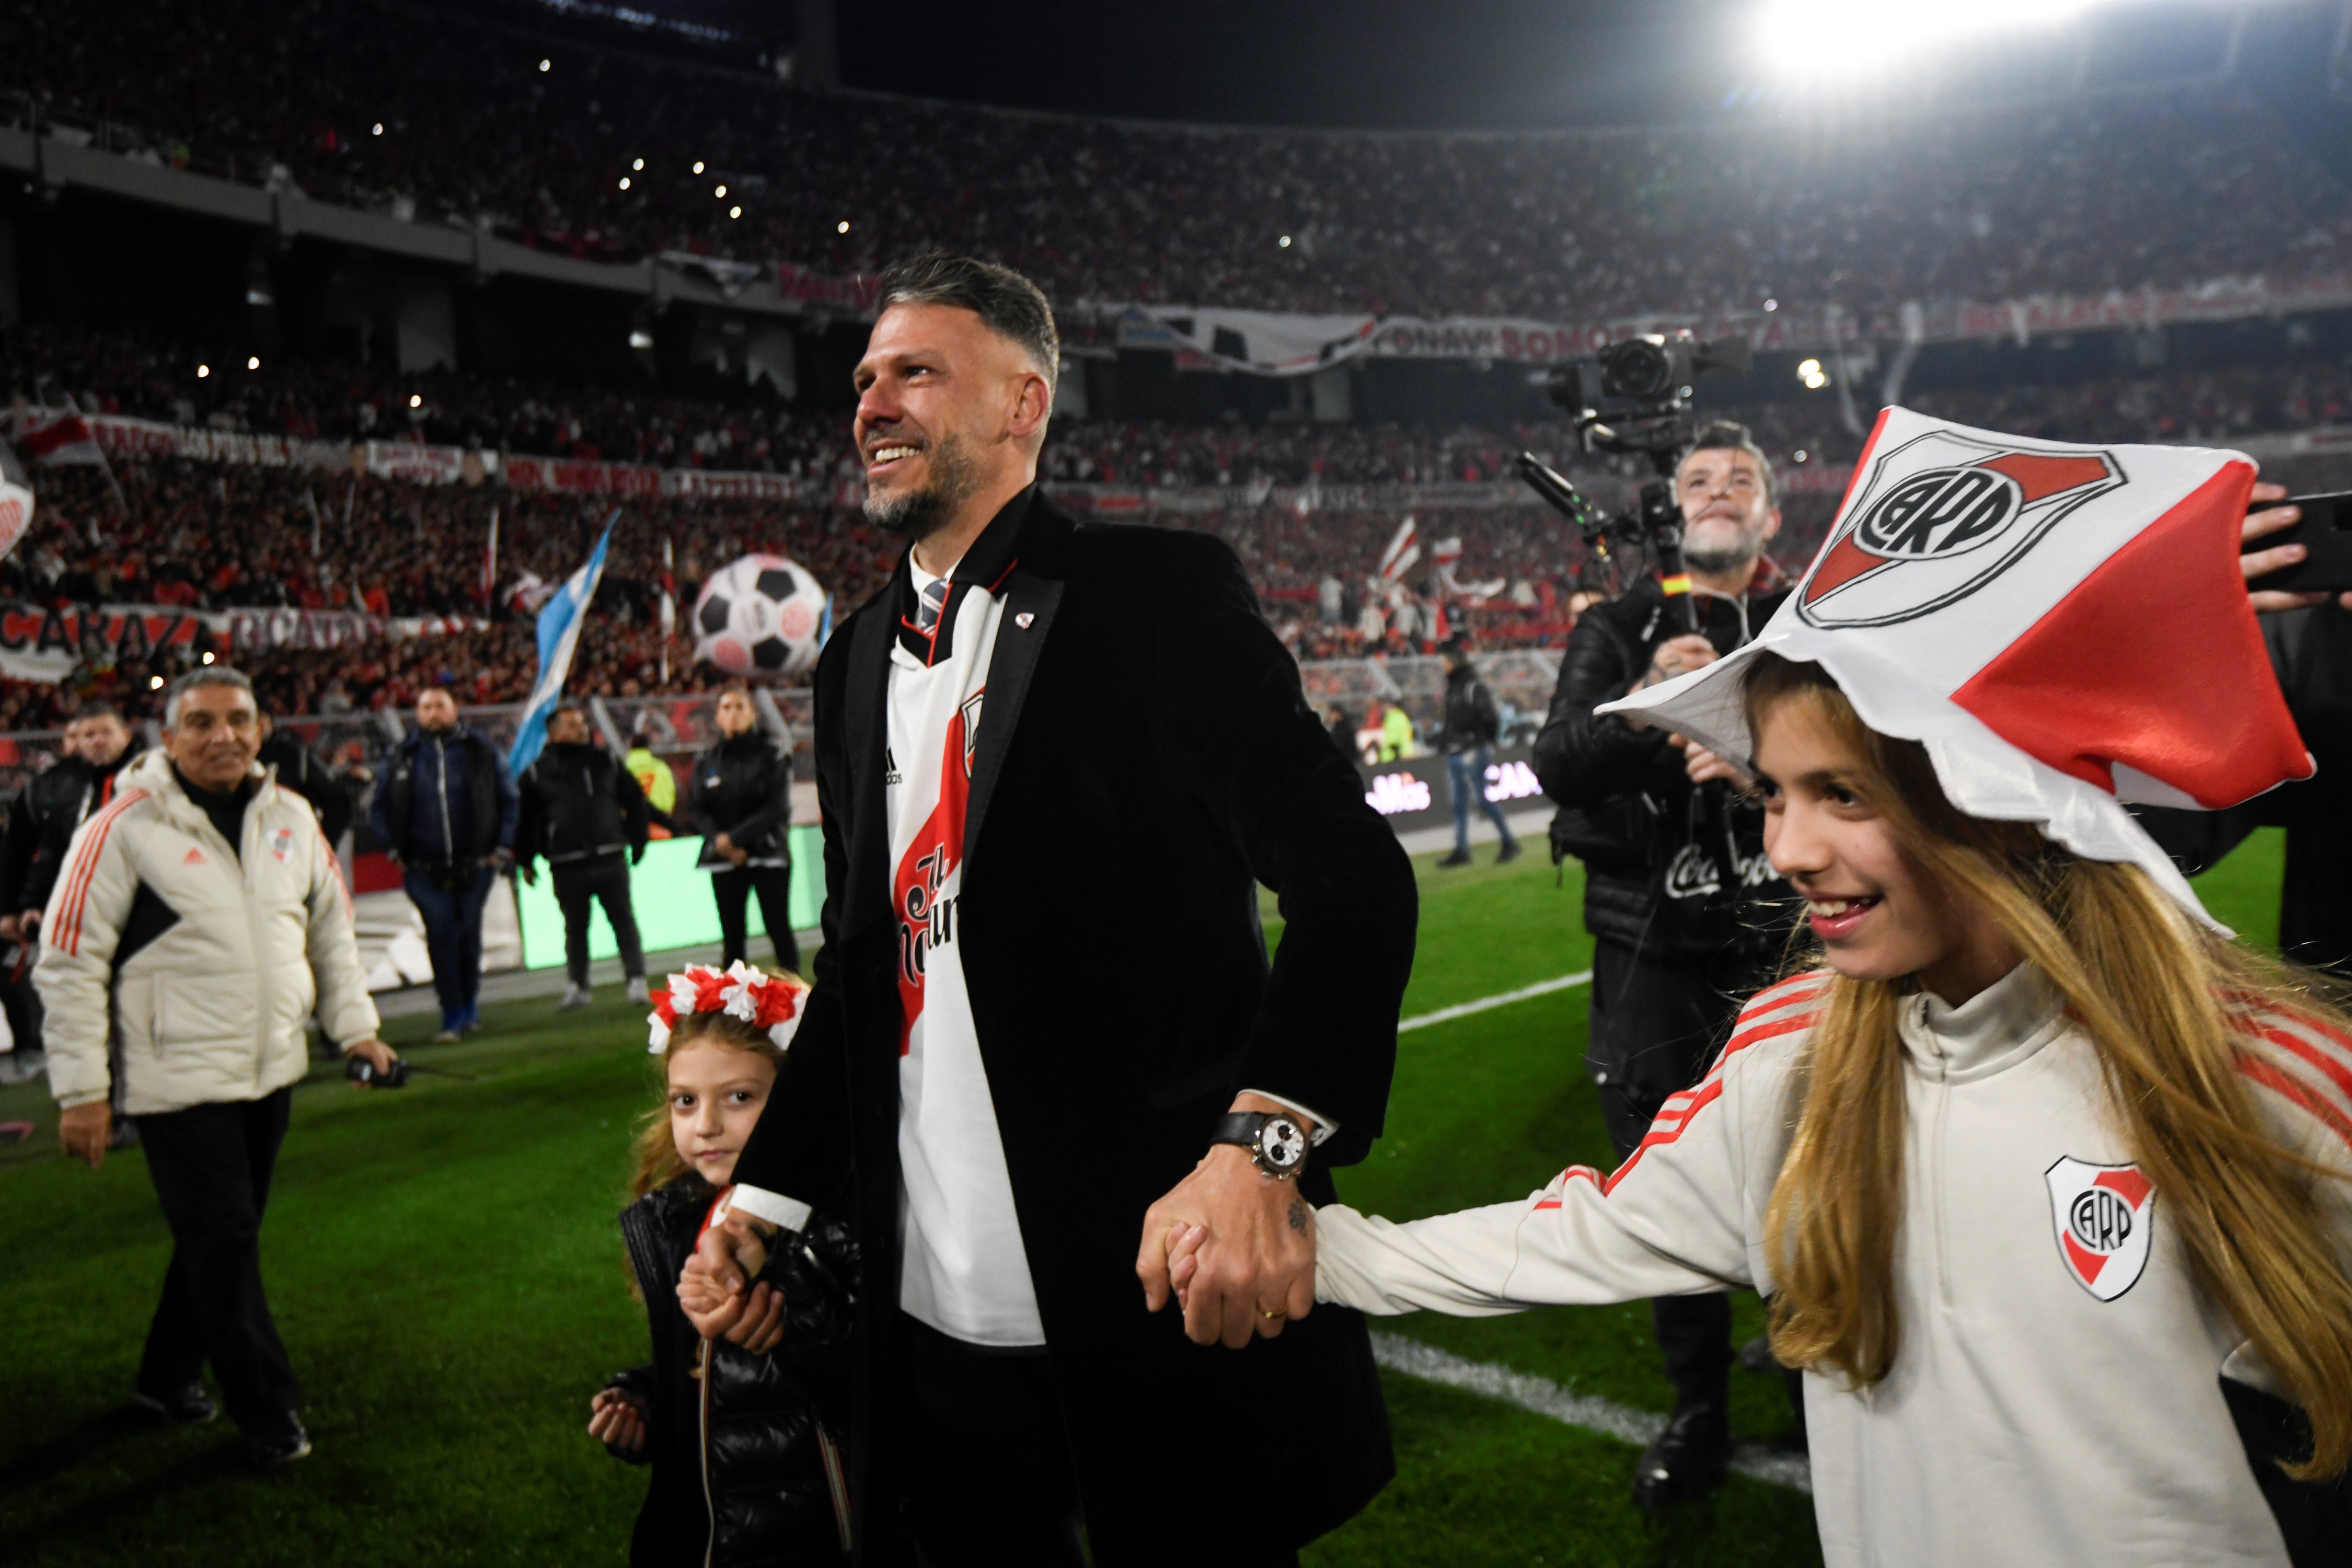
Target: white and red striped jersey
2055	1394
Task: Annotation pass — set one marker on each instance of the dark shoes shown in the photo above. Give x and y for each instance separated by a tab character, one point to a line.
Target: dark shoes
1688	1459
189	1406
1509	852
1459	857
283	1446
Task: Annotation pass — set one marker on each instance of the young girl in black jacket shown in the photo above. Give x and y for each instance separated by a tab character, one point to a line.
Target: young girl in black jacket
746	1469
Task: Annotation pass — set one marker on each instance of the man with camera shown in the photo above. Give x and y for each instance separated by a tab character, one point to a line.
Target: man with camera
1677	893
445	814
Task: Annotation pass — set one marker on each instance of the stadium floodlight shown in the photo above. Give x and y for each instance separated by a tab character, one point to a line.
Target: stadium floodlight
547	65
379	128
1284	242
841	227
203	371
253	361
208	658
639	164
1770	305
624	182
734	212
1839	37
154	683
721	193
417	400
1812	375
1799	455
697	166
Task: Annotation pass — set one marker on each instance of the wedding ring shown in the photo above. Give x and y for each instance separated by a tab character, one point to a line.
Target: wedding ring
1272	1317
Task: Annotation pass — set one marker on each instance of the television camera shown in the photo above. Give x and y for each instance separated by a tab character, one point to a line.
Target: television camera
1633	399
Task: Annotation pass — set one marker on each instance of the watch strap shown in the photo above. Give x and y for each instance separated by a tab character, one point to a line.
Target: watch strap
1238	1127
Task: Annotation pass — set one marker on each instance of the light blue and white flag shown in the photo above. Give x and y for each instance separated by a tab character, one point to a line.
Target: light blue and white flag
558	635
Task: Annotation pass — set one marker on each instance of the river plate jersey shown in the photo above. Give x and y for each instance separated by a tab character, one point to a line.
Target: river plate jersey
964	1272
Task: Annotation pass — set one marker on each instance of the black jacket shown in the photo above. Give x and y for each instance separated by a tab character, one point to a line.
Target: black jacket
41	823
743	788
1471	717
758	1445
490	796
1677	874
579	802
300	770
1093	851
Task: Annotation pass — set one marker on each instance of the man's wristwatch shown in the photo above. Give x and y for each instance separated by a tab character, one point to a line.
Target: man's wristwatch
1277	1144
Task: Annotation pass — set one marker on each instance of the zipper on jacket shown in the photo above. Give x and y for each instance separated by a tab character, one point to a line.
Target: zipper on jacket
449	840
1934	1146
710	1499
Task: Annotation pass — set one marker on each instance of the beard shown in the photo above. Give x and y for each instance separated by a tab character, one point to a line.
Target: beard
1730	558
919	513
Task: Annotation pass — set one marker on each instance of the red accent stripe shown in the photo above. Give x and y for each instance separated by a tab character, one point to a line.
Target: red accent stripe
2337	1074
1706	1093
85	868
1772	1031
1572	1174
1001	576
1794	989
2271	1078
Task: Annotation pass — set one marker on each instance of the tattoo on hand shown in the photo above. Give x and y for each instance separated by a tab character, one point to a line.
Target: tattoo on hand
1297	1215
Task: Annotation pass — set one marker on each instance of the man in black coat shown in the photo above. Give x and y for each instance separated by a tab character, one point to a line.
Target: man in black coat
300	770
1678	894
445	812
585	812
1472	725
1044	999
96	748
741	797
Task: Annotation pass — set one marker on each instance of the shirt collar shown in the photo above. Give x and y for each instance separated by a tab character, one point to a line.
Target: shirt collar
1994	1030
985	566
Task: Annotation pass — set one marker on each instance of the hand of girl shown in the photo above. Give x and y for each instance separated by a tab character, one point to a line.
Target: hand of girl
617	1420
763	1325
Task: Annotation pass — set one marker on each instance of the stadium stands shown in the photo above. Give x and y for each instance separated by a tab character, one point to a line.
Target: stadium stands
615	157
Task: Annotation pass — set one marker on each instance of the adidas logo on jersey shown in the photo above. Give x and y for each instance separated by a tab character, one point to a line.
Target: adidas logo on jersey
195	858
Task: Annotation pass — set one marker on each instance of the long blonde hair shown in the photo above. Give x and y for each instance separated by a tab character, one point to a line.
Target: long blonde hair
656	1148
2165	1004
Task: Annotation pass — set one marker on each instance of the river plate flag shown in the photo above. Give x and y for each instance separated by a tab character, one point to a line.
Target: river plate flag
2064	628
558	635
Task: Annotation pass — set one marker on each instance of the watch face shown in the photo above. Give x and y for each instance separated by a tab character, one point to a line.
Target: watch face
1281	1144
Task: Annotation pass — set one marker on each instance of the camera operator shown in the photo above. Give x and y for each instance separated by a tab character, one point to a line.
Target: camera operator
1678	895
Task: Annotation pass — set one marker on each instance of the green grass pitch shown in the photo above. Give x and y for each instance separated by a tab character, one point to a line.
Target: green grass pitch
445	1271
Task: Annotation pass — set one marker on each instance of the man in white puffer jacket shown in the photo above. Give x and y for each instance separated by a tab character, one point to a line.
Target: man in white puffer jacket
200	921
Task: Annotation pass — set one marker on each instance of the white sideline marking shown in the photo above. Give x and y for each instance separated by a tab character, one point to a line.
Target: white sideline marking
1542	1396
1464	1009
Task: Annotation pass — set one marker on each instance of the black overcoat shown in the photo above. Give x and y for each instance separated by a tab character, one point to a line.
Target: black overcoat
1146	758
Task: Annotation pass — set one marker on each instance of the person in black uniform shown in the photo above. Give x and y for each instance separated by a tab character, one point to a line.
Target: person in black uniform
96	748
741	799
583	811
300	770
1687	914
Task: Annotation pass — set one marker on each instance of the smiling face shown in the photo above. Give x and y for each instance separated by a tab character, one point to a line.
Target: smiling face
1880	913
214	736
716	1095
947	410
1727	514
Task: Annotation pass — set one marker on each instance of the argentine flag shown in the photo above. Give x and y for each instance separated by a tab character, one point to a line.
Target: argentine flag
558	635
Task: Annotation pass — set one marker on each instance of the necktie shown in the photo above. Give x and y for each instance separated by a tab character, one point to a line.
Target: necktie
927	612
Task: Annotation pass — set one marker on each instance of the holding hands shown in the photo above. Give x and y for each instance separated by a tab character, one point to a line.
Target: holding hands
716	1293
1232	1246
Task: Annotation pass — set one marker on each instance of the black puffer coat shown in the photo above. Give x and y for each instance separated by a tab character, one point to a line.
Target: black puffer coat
754	1452
743	788
1677	874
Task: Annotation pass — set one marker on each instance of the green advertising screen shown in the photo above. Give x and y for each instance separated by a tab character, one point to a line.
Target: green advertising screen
672	901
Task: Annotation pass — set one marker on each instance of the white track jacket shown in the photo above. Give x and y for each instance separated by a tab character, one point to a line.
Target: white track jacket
2054	1397
240	951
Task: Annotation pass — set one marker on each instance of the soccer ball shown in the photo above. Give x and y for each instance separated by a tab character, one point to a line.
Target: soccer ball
762	614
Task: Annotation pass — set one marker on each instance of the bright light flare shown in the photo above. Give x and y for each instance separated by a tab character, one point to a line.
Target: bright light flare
203	371
734	212
253	361
417	400
1838	37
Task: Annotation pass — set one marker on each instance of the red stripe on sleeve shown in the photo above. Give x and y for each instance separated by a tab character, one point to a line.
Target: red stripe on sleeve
84	869
2278	1082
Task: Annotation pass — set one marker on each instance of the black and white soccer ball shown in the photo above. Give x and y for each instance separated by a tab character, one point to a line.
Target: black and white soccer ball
760	616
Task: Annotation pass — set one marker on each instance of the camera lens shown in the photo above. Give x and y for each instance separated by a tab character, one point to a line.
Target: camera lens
1637	369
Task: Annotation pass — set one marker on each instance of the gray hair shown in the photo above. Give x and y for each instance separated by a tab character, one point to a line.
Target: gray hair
1007	303
1729	436
206	675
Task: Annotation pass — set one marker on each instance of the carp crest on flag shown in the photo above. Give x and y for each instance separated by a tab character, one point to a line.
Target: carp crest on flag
1938	518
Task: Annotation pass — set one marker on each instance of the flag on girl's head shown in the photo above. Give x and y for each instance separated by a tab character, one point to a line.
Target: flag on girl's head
2063	628
559	637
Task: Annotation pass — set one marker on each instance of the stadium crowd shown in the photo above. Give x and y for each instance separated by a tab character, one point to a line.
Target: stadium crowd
579	148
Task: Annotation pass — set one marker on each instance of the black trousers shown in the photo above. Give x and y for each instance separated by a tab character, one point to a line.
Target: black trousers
602	879
211	1165
1656	1028
986	1477
733	890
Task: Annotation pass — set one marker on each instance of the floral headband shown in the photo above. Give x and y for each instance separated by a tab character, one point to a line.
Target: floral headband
770	1001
